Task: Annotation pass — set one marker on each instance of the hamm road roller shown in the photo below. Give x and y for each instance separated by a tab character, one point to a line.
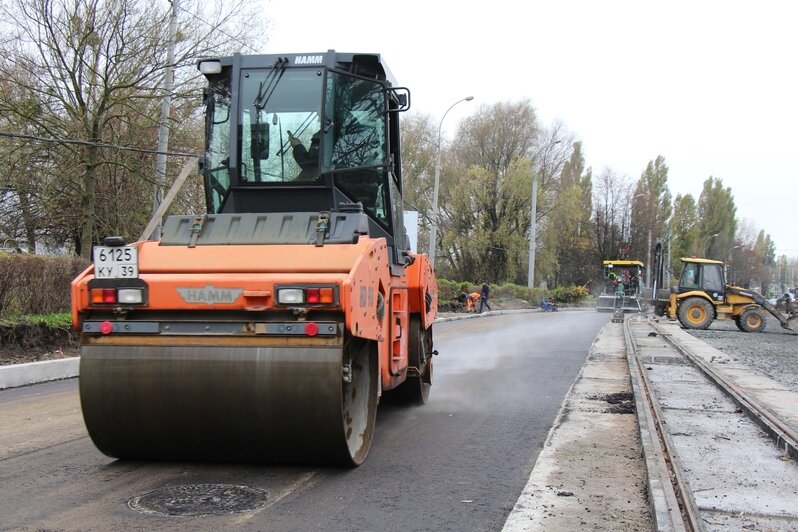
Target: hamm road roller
267	329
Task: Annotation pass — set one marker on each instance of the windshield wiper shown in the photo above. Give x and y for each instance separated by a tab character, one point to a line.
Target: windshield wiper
267	86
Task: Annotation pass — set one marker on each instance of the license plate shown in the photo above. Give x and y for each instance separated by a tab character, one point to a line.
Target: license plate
118	262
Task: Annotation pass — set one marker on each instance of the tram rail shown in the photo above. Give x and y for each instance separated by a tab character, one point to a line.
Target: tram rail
679	480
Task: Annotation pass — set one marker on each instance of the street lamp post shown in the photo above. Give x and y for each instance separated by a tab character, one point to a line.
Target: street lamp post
648	261
728	271
533	214
433	232
706	241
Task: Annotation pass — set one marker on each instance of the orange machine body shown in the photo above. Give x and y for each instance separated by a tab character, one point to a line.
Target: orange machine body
374	303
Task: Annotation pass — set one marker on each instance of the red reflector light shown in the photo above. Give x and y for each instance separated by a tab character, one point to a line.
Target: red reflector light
109	295
106	327
311	329
313	295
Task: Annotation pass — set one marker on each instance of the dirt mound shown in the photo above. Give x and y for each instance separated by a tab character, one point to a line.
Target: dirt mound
31	342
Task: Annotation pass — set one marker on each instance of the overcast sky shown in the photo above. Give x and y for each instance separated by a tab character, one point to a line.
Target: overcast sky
710	85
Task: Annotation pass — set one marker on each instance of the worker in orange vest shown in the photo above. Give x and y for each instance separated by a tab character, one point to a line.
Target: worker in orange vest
471	301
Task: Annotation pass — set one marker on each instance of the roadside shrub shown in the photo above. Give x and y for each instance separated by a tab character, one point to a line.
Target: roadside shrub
573	294
36	284
570	294
449	290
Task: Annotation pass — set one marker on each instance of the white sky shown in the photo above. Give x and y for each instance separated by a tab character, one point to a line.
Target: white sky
710	85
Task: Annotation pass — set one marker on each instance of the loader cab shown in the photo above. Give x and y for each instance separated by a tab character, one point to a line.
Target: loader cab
704	275
305	133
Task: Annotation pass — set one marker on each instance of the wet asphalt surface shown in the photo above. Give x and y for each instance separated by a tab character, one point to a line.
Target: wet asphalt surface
457	463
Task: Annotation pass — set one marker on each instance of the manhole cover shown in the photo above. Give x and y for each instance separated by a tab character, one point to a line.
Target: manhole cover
199	499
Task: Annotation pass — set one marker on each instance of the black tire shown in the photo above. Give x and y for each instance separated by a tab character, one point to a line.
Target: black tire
695	313
359	401
752	320
415	390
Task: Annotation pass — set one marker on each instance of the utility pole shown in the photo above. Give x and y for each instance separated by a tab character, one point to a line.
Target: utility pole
668	264
648	260
163	128
530	281
533	215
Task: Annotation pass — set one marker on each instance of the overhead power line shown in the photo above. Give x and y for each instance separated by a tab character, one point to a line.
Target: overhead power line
217	29
95	144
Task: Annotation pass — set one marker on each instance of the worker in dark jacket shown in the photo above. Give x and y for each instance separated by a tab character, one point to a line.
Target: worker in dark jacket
306	158
483	300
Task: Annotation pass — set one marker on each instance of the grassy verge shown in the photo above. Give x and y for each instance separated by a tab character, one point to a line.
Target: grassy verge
61	320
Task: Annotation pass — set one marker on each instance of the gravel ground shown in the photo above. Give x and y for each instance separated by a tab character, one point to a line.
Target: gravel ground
773	351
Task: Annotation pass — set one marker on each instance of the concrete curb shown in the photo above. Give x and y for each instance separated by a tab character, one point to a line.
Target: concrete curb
662	497
35	372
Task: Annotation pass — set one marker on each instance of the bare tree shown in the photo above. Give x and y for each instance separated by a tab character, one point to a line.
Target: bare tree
611	208
92	71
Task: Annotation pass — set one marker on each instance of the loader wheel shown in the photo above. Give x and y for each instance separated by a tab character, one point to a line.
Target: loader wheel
752	320
415	390
695	313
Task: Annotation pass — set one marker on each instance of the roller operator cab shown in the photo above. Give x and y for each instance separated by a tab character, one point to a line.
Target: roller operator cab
268	328
305	133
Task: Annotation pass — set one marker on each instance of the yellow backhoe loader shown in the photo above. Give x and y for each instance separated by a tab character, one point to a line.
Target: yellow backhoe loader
703	296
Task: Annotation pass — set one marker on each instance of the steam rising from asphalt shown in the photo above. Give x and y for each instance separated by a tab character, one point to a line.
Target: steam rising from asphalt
495	363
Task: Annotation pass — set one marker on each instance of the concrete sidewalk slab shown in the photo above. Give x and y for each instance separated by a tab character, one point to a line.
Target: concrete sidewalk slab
767	392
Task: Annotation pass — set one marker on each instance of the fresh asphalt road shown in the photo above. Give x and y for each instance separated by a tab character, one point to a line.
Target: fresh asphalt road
457	463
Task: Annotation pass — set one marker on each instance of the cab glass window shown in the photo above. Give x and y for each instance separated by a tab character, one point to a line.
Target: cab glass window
280	125
367	187
355	121
689	278
713	279
217	172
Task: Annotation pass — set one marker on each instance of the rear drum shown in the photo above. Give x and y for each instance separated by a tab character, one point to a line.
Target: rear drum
240	404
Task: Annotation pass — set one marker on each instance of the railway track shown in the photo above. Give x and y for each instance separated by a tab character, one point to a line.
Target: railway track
718	456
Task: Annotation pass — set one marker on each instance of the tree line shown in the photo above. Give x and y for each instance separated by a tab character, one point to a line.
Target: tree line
484	216
81	85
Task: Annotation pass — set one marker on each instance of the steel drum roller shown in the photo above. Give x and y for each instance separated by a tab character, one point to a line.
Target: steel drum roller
263	404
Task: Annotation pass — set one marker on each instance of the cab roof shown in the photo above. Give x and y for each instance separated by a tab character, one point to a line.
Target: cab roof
369	65
623	263
701	261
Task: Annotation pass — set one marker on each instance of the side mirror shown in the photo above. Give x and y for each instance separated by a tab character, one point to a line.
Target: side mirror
401	96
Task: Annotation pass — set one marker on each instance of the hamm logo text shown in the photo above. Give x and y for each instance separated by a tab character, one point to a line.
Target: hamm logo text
210	295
